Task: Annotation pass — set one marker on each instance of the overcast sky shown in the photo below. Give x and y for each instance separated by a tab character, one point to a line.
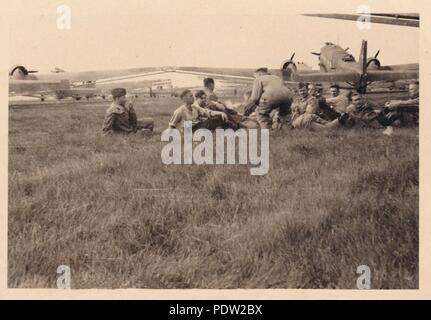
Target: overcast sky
124	34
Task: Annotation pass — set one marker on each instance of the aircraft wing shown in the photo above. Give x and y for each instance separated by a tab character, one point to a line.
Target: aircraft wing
399	19
98	75
239	74
342	76
219	73
408	66
36	86
52	83
131	76
392	75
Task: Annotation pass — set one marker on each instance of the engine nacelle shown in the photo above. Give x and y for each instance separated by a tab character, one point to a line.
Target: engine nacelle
289	65
373	63
18	72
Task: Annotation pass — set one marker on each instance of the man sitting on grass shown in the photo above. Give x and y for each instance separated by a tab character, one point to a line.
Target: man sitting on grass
402	112
213	102
121	117
304	109
194	111
362	113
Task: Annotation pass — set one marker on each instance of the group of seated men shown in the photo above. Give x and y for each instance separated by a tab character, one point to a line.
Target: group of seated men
354	109
270	104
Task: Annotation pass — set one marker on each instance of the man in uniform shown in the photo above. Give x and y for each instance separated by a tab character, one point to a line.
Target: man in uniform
337	101
246	121
269	93
362	113
304	109
324	110
194	111
121	116
403	112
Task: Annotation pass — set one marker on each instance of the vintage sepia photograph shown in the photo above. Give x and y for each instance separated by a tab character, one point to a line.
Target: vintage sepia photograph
198	147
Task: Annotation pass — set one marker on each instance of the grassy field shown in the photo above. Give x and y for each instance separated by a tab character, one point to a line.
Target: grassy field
109	208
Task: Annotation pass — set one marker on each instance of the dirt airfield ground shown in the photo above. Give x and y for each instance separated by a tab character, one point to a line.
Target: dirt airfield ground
109	208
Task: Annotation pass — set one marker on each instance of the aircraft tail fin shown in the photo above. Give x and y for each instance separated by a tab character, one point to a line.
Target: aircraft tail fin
363	57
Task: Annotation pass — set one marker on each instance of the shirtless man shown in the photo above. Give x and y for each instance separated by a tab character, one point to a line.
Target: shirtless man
194	111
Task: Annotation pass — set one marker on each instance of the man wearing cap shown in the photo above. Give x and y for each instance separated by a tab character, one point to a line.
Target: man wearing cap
268	93
193	110
121	116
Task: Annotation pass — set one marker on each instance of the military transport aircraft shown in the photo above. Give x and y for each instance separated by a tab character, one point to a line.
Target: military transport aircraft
62	84
337	65
24	82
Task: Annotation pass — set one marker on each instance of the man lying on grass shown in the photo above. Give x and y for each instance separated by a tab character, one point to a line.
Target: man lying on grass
121	117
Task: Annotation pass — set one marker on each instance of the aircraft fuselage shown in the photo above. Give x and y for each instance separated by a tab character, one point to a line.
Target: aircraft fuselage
334	58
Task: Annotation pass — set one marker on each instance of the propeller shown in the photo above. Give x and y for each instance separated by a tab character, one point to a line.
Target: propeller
373	62
315	53
289	64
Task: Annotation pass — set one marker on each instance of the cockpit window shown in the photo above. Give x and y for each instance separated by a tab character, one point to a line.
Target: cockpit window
348	57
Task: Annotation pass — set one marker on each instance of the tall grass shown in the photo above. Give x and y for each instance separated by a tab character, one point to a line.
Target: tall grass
110	209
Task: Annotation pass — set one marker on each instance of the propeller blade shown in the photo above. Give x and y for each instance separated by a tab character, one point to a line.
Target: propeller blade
377	53
346	49
293	55
315	53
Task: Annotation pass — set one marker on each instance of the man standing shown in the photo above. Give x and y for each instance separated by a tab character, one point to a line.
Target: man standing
269	93
121	116
194	111
337	101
